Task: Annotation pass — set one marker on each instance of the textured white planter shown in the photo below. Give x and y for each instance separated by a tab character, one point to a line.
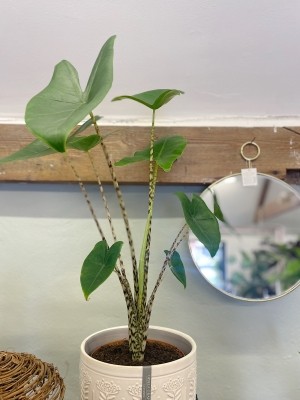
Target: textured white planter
174	380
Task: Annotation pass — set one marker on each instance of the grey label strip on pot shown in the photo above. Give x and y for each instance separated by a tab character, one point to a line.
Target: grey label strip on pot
146	383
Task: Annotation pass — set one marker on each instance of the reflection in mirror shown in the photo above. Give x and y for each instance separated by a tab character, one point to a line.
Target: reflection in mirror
259	257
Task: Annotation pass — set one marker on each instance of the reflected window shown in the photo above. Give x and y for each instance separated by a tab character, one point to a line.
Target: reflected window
212	268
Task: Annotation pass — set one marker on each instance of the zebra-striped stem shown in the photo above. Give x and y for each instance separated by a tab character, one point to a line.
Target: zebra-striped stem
138	330
145	251
126	289
105	203
103	196
179	238
86	197
133	336
121	204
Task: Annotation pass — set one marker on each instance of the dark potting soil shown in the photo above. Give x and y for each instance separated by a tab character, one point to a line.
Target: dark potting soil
118	353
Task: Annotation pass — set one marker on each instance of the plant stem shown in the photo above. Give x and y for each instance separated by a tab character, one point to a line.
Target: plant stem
130	304
145	250
139	322
103	196
179	238
86	197
121	204
107	211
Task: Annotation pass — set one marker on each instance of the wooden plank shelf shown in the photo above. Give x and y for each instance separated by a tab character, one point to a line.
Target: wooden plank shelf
211	153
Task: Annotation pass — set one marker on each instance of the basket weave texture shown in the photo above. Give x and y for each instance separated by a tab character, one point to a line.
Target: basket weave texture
23	376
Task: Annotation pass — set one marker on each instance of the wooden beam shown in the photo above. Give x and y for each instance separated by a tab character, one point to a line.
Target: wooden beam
211	153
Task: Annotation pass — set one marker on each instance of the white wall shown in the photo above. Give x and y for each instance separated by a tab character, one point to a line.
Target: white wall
234	59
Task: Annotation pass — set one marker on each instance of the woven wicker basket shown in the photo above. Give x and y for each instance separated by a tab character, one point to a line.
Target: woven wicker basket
23	376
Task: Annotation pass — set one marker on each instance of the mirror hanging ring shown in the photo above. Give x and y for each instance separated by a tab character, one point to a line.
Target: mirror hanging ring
259	256
249	159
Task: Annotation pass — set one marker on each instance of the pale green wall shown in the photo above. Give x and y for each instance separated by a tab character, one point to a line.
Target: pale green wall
245	351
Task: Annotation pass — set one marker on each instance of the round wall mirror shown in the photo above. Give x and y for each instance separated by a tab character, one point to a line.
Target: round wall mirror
259	255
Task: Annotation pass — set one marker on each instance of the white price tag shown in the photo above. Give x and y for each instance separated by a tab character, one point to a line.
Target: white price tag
249	176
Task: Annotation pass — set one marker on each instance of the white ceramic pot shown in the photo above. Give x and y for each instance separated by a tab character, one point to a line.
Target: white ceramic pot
174	380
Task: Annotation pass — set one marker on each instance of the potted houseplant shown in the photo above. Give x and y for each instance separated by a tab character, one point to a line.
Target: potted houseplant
53	116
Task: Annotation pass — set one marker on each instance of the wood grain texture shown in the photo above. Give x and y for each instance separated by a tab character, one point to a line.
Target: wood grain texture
211	153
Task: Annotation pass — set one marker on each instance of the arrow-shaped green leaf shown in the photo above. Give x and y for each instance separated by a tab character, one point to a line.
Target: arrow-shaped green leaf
176	266
85	125
32	150
166	150
83	143
153	99
202	221
219	213
37	148
98	266
217	209
52	114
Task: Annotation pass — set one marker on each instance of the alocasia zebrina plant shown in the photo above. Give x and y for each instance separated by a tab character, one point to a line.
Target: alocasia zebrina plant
55	117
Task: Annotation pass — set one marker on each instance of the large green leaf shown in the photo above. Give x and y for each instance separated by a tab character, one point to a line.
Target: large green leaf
52	114
98	266
166	150
153	99
201	221
176	266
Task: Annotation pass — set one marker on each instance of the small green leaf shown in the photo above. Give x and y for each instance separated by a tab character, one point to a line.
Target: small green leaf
153	99
176	266
53	113
98	266
219	213
166	151
141	155
83	143
201	221
217	209
32	150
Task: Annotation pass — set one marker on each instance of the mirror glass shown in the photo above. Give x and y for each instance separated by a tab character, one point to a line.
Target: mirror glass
259	255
